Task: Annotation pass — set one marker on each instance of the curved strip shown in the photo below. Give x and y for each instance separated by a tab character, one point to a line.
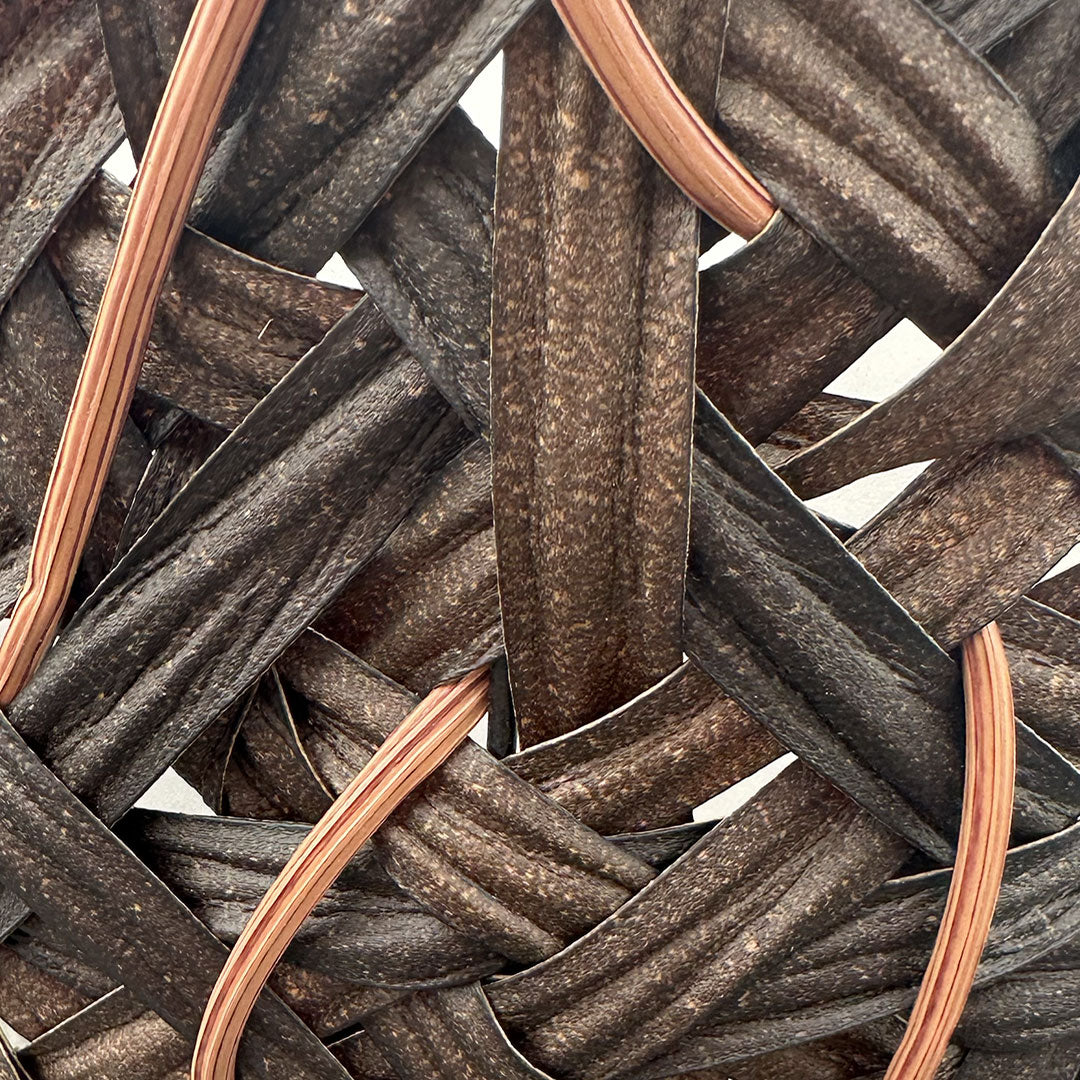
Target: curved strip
980	860
216	41
623	59
412	751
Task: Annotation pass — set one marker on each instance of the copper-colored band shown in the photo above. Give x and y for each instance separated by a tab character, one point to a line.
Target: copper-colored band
418	746
626	64
217	38
989	776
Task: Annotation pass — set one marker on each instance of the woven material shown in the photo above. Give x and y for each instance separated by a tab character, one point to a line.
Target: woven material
530	442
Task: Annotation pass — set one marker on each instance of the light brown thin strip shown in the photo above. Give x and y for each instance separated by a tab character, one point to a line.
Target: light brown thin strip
215	43
626	64
412	751
980	859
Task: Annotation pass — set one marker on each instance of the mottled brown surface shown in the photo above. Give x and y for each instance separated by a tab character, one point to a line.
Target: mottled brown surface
927	178
334	100
778	321
350	486
58	121
618	773
427	607
227	328
1013	373
592	383
41	349
972	535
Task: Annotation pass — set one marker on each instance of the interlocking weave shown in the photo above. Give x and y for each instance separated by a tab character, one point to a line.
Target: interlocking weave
541	438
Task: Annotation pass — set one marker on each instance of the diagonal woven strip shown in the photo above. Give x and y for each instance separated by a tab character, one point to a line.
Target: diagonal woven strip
354	491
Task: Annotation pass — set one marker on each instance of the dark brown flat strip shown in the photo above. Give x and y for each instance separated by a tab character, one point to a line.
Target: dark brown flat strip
329	110
452	848
971	535
182	443
926	177
869	966
806	640
115	1036
39	946
1038	62
645	765
211	53
816	420
424	256
981	23
365	930
595	270
976	392
41	349
227	328
437	225
427	606
652	761
33	1001
455	371
1044	648
355	408
856	1055
59	118
89	889
1062	592
250	762
445	1036
778	321
1041	1063
764	575
742	898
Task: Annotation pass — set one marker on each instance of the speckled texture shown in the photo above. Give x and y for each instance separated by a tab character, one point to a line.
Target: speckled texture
311	426
450	846
335	98
890	142
217	356
620	772
41	348
778	321
98	897
58	122
1039	62
34	1001
978	390
970	535
1043	646
424	257
308	470
982	23
884	946
776	630
427	606
116	1035
727	911
591	382
447	1036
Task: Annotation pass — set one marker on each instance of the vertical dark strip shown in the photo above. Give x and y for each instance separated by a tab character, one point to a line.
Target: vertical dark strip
592	380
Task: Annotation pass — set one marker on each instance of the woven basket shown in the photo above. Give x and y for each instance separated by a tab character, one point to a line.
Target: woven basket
530	444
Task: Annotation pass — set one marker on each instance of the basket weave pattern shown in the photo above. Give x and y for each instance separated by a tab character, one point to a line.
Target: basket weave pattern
540	439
